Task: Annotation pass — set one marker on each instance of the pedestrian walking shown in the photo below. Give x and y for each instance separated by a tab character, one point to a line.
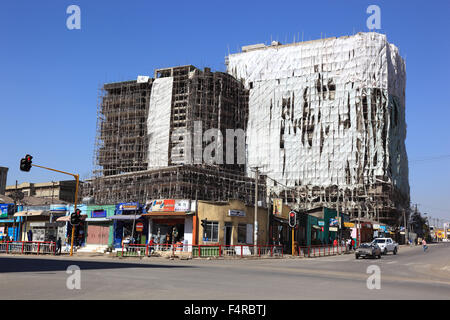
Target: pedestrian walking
424	244
58	246
151	244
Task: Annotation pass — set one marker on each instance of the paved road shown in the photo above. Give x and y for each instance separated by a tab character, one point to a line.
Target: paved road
412	274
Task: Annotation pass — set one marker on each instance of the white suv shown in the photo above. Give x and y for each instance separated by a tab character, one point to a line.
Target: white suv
386	245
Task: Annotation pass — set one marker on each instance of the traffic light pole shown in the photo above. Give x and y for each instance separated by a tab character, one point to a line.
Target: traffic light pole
77	179
293	249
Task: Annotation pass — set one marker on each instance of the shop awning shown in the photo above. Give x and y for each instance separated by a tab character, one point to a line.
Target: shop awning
281	220
124	217
67	218
32	213
98	220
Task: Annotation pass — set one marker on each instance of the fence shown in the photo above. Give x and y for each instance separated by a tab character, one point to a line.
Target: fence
202	251
321	251
30	247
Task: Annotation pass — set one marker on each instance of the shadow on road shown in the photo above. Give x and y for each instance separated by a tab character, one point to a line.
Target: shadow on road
38	265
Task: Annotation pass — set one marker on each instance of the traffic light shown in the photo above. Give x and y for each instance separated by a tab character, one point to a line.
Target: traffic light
292	219
75	217
25	163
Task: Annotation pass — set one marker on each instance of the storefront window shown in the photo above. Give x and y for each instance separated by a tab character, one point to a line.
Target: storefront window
242	233
211	232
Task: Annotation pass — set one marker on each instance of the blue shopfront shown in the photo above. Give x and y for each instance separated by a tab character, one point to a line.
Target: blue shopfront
127	216
9	225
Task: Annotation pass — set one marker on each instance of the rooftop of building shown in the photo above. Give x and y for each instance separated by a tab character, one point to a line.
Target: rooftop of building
40	184
279	45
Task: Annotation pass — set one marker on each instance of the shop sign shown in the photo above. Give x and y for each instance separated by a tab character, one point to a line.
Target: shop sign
321	223
334	229
170	205
129	206
37	224
349	224
182	205
383	228
376	226
277	207
4	208
98	214
334	222
236	213
162	205
2	230
139	227
58	208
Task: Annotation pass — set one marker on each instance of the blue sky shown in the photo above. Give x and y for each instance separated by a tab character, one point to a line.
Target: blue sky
49	75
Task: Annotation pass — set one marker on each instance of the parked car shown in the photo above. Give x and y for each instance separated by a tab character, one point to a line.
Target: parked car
386	245
368	250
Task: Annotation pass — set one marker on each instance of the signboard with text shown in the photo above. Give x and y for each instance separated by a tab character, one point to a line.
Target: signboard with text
129	206
98	214
277	207
236	213
170	205
4	209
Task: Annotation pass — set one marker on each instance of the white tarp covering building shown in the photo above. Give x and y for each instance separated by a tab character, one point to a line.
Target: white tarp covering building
328	112
158	122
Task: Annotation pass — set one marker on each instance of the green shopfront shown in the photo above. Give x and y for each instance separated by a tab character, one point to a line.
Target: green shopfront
323	226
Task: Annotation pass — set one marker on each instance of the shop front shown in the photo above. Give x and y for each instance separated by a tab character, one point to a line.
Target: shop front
279	230
65	231
127	216
324	226
57	211
38	225
170	220
230	223
99	226
365	230
9	225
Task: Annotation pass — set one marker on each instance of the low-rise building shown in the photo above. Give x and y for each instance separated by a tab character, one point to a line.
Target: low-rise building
54	191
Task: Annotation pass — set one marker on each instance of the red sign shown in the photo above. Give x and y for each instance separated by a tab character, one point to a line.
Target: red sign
139	227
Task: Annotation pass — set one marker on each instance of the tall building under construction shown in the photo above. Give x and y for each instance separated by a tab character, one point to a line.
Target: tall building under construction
147	127
326	123
323	120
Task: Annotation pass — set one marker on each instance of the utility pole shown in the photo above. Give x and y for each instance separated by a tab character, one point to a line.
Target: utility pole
406	226
358	234
255	229
338	217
